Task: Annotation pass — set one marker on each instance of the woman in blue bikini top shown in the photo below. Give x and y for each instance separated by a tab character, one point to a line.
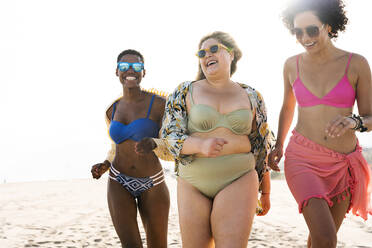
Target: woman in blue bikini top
136	115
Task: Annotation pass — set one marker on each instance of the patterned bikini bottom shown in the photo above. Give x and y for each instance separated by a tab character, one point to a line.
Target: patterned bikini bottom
136	185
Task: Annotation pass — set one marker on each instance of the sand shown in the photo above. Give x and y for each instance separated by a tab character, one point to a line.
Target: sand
74	214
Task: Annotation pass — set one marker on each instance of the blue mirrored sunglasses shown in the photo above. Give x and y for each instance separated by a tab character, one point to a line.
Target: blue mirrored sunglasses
124	66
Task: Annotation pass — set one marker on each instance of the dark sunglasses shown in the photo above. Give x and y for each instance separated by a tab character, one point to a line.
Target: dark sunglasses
311	31
124	66
213	49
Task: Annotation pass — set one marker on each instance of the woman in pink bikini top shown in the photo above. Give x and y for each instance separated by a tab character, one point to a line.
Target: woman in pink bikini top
324	166
342	95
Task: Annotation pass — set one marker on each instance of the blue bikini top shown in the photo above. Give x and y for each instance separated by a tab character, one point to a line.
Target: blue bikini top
136	130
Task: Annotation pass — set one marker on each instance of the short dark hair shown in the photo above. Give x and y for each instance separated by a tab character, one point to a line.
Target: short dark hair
132	52
228	41
329	12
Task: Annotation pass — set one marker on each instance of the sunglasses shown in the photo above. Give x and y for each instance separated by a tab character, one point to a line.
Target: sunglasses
124	66
213	49
311	31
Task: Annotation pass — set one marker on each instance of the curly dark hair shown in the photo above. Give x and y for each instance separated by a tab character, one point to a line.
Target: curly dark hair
228	41
131	52
329	12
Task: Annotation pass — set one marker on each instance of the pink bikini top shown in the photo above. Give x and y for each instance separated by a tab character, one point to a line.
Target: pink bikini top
341	96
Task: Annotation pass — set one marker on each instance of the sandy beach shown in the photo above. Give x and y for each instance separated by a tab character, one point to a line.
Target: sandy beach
74	214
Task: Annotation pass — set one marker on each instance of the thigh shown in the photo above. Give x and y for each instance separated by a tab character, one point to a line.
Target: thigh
338	212
339	209
194	211
319	219
233	211
153	206
123	211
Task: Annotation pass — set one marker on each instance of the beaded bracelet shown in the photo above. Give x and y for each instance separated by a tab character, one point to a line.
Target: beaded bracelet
359	123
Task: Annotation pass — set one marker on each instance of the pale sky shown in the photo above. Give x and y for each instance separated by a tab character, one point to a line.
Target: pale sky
58	60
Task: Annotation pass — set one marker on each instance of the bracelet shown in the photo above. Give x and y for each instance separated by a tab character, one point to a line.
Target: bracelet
359	123
265	193
356	122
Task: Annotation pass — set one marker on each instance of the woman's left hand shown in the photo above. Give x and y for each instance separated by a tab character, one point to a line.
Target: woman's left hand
265	202
339	126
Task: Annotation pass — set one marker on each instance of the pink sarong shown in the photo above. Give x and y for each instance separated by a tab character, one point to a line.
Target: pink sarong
314	171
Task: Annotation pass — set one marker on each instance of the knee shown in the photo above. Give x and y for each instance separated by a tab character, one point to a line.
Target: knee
325	240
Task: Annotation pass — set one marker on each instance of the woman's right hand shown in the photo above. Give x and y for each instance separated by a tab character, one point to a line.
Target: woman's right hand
146	145
99	169
212	147
274	157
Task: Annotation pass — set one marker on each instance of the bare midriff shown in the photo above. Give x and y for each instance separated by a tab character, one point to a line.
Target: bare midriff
127	161
312	123
236	143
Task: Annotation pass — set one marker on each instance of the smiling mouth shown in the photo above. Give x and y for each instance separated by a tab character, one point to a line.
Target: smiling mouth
130	78
310	44
212	62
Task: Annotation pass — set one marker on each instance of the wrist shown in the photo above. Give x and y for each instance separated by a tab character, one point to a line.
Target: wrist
359	126
106	162
279	144
355	123
265	193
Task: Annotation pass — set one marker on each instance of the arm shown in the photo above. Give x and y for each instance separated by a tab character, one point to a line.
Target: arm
111	153
364	101
173	132
210	147
99	169
285	119
265	186
364	93
261	137
192	145
265	193
287	110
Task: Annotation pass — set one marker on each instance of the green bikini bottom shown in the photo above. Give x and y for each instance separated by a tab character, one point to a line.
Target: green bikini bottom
210	175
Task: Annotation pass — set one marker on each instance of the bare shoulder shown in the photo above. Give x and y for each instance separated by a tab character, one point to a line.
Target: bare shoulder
292	59
158	105
290	69
358	68
359	61
199	83
290	63
159	100
110	108
109	111
195	86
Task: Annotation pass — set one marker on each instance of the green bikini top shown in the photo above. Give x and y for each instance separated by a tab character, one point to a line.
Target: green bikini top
204	118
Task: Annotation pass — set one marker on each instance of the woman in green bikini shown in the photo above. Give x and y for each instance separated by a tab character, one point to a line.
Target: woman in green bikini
217	132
